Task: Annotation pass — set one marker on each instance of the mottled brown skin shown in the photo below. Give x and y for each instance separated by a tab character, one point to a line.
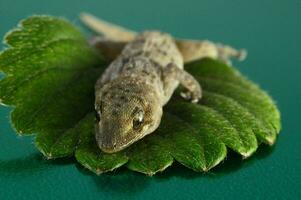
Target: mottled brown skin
146	70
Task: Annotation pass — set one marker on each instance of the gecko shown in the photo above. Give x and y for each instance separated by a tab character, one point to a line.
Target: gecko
144	72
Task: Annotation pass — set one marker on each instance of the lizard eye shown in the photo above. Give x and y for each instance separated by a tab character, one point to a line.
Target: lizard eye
98	111
97	115
138	119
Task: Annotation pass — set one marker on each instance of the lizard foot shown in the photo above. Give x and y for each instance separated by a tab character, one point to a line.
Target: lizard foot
193	97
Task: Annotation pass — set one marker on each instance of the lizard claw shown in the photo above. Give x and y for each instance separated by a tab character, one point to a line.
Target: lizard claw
193	97
186	95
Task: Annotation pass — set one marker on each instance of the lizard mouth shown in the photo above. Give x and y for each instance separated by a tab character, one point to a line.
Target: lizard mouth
114	147
116	144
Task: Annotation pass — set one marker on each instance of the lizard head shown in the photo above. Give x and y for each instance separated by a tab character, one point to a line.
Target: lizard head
126	113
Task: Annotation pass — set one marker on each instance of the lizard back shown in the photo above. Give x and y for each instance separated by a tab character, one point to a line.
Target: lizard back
158	47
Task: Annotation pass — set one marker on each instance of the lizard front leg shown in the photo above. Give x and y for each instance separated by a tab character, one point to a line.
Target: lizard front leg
172	73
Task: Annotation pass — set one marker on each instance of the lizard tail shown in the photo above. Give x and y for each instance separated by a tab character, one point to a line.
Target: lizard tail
109	31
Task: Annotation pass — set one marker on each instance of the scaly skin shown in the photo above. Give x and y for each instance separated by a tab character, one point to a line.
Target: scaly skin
134	88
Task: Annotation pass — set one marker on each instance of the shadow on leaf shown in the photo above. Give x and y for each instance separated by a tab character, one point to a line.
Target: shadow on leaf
128	182
123	180
232	163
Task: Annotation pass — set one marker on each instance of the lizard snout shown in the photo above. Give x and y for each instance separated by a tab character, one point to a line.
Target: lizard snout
107	138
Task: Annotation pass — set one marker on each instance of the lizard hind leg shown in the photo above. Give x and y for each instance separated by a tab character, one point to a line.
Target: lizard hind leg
192	50
225	53
109	49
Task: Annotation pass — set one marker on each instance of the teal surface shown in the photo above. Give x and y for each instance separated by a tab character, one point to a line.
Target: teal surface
269	29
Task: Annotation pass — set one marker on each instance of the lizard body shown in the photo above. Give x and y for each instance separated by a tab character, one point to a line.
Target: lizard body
134	88
130	94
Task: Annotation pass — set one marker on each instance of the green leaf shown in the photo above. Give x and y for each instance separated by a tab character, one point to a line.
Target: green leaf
49	69
50	72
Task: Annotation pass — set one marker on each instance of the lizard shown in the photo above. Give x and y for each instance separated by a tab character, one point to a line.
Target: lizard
146	69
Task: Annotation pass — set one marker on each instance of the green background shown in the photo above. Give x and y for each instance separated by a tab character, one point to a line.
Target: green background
269	29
